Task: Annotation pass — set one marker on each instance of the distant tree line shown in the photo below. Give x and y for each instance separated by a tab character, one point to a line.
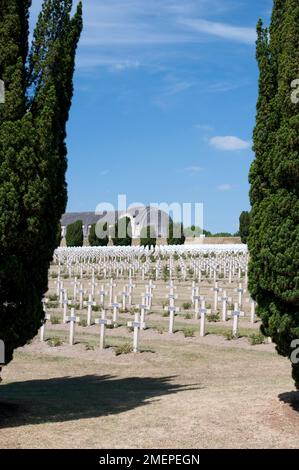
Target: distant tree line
121	233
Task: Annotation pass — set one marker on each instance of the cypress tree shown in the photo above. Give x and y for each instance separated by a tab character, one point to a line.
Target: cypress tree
148	236
98	235
74	234
244	226
274	179
123	232
33	121
176	234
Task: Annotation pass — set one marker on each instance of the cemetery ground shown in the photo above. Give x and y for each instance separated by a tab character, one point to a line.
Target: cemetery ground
181	390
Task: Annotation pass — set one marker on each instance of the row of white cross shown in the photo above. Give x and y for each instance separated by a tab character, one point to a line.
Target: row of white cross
147	297
204	268
72	319
214	262
198	301
139	324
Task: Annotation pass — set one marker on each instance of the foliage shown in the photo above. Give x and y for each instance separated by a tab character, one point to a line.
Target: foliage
193	232
122	232
244	221
213	318
188	316
33	194
148	236
74	234
176	234
189	332
98	235
274	177
125	348
55	342
230	336
186	305
256	338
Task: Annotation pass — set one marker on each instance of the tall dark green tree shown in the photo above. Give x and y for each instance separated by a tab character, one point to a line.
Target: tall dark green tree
74	234
98	235
148	236
176	234
33	194
274	178
122	232
244	224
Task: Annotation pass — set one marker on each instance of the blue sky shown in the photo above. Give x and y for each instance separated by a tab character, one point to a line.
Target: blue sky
164	104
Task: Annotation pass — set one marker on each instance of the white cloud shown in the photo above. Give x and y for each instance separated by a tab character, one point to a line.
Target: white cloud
193	170
225	187
104	172
114	64
177	87
221	30
171	87
125	32
229	143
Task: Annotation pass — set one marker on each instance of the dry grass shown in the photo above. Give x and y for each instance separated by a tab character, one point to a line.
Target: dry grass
189	393
178	392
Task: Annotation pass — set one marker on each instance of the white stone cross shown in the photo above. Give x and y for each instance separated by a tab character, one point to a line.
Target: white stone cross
102	294
72	320
137	325
158	270
172	309
58	282
196	299
65	303
240	291
115	305
111	286
42	329
171	286
236	314
130	287
81	294
124	298
61	294
76	284
93	285
252	313
216	290
203	311
151	285
89	304
143	308
225	299
230	275
193	292
44	302
103	322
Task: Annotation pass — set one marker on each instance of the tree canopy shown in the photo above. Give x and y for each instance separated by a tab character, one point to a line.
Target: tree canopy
274	178
74	234
122	235
38	82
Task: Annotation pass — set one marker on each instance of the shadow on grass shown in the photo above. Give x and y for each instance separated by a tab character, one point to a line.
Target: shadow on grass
73	398
290	398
